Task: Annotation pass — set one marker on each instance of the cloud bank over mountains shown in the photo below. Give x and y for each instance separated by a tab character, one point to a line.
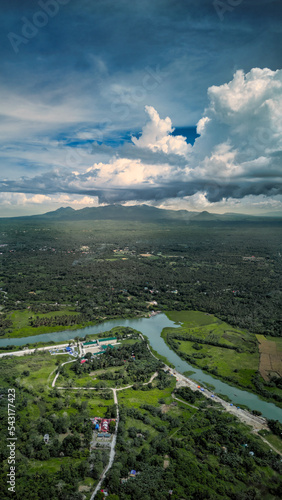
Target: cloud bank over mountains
237	155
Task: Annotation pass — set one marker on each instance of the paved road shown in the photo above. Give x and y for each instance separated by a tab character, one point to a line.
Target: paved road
23	352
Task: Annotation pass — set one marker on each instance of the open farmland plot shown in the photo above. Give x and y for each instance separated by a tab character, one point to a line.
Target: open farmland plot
270	357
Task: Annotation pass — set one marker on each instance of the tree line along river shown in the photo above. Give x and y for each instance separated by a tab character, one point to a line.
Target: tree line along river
152	328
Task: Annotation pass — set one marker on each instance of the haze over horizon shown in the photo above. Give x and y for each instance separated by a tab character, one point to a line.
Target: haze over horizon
162	103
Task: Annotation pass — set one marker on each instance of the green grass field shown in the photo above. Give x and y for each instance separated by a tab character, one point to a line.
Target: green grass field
134	398
21	319
274	441
225	361
132	422
51	465
21	327
208	327
95	403
192	318
39	365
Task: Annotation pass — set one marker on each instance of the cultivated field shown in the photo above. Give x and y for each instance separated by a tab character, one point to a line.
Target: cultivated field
270	357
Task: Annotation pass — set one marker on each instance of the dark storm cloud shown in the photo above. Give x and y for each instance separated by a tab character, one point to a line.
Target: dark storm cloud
54	182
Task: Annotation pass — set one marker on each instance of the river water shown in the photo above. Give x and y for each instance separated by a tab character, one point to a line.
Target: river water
152	328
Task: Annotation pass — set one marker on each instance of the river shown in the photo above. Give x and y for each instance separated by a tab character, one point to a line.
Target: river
152	328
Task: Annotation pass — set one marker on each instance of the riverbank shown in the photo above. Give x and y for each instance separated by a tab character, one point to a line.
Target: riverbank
221	351
25	330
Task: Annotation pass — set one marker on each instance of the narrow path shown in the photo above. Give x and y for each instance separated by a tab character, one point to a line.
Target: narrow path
184	402
122	388
58	372
151	379
83	388
269	444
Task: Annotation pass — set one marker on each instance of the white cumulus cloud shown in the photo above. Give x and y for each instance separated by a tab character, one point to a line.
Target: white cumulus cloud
246	115
124	172
156	135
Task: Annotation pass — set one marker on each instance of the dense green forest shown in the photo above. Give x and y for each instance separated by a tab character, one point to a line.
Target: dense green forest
59	274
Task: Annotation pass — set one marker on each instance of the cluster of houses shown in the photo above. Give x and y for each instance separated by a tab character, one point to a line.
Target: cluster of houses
102	426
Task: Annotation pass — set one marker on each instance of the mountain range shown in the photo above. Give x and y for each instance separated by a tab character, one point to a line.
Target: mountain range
143	213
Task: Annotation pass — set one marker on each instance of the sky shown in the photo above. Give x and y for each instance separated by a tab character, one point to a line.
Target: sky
171	103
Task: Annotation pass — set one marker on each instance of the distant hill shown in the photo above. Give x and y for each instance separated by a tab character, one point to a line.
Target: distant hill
62	213
205	216
142	213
